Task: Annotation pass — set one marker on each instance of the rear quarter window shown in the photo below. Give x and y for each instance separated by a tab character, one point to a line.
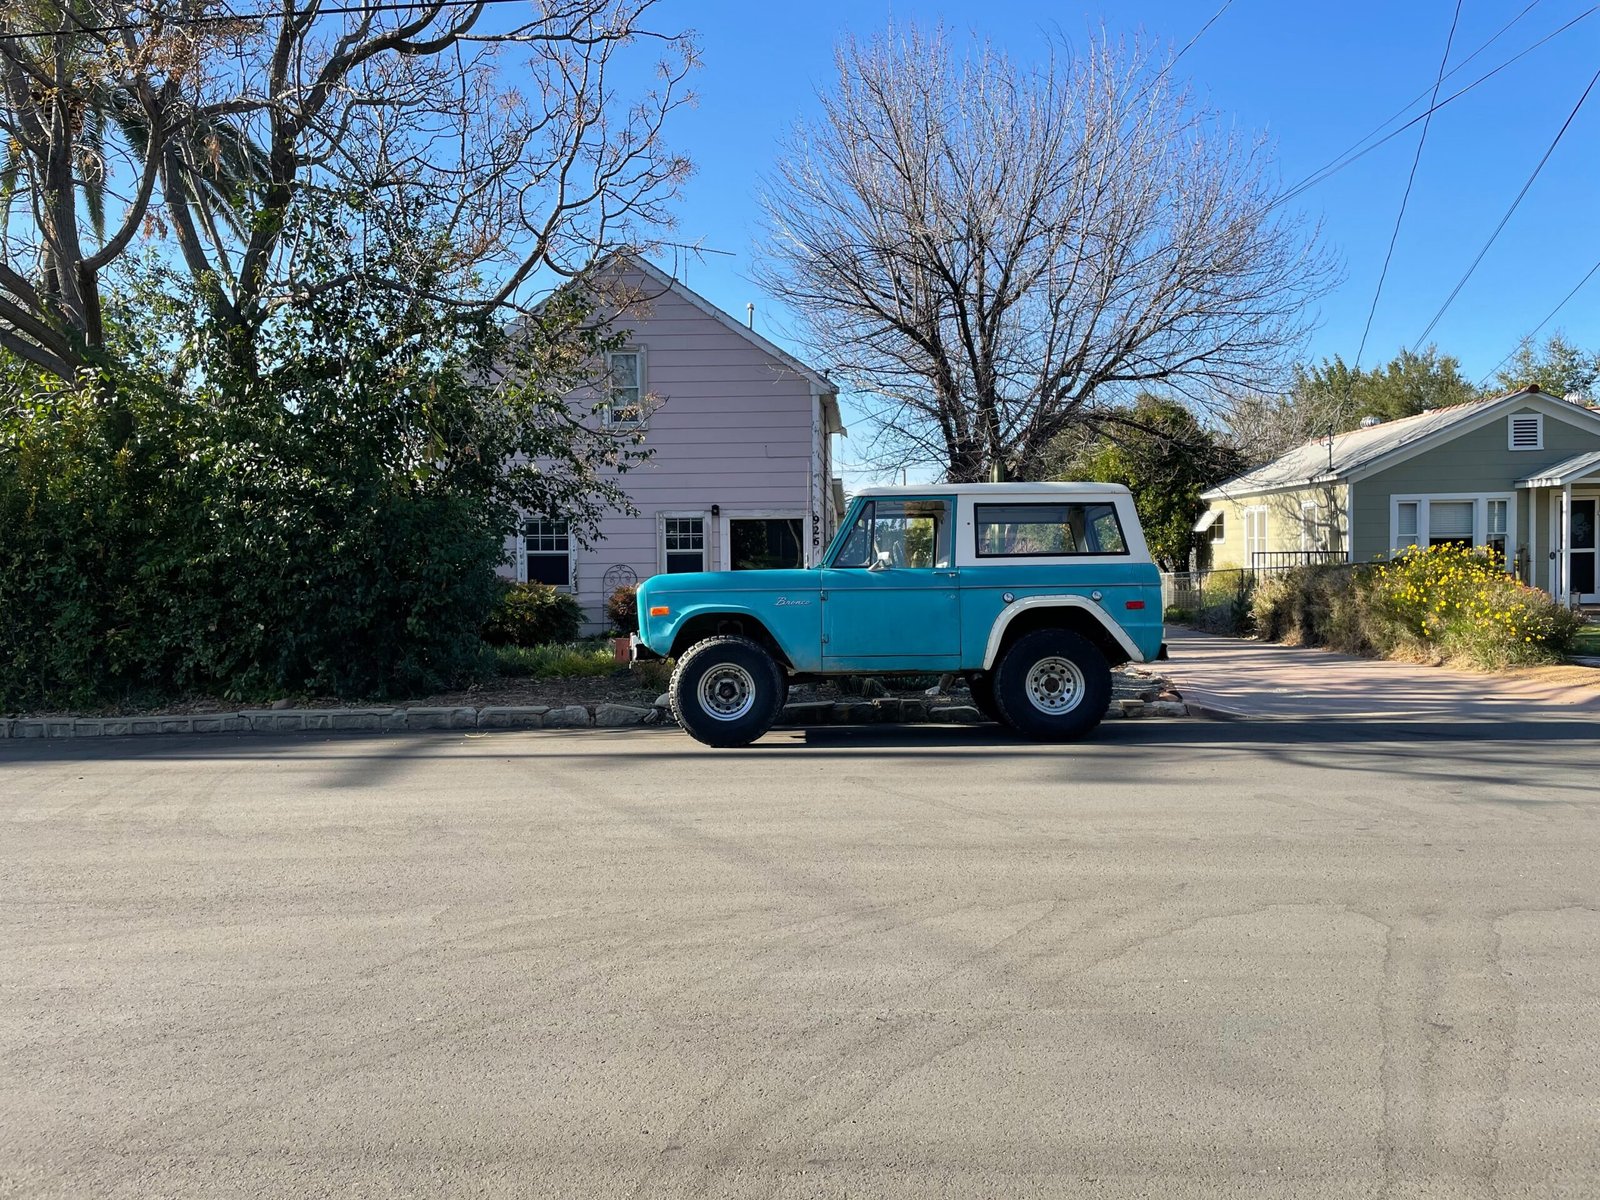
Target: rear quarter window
1048	530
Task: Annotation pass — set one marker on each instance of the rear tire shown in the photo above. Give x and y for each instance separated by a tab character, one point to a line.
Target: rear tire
726	691
1053	685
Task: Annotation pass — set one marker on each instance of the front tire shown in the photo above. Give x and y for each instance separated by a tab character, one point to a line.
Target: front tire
726	691
1053	685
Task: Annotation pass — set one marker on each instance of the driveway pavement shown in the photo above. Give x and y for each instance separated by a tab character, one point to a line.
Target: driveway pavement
1232	677
1186	959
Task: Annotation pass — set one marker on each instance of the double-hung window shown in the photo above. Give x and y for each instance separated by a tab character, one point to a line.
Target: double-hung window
1459	519
683	544
1255	533
547	552
624	407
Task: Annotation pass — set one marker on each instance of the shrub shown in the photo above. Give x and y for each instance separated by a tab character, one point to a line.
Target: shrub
533	614
1461	602
1440	602
622	607
1314	606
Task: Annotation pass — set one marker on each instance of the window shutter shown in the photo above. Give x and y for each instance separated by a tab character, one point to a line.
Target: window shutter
1450	518
1527	432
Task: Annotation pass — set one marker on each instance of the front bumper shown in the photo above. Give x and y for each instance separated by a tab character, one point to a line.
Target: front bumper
638	651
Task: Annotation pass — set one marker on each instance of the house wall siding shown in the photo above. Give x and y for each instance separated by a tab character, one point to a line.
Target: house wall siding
1283	521
731	426
1478	462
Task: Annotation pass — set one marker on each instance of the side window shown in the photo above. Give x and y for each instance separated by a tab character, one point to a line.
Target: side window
1047	530
906	533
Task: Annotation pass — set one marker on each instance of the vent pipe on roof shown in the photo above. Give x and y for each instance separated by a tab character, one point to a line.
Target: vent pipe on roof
750	316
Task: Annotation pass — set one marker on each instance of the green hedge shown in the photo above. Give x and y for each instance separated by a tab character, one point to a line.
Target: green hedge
1443	602
153	545
533	614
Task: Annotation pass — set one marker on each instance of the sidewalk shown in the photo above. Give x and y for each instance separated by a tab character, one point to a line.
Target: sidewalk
1230	678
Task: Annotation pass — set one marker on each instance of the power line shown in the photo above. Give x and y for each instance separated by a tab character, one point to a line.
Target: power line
1549	316
1410	179
1405	108
1353	156
231	17
1560	133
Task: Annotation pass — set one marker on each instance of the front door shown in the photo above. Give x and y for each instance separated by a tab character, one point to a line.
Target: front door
892	593
1581	537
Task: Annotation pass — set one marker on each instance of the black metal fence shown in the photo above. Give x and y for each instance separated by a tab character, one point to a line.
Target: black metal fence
1219	599
1280	560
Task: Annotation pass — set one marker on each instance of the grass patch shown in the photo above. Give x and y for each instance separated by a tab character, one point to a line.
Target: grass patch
560	660
1586	640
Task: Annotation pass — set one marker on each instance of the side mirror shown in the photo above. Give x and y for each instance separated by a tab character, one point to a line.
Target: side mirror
882	563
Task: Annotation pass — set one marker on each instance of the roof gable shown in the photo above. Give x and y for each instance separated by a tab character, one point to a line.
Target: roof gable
656	275
1362	452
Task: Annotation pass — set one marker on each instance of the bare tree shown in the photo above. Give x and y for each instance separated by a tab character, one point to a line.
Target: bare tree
492	134
987	253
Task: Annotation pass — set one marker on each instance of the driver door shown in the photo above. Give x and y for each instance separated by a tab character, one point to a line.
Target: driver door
892	594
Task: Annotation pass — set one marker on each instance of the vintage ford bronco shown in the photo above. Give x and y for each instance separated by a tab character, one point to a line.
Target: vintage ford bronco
1031	591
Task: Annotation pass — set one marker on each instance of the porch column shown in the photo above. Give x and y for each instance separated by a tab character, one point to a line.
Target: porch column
1533	537
1566	544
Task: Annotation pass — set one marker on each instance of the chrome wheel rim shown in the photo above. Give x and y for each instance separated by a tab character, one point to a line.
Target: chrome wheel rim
1055	685
727	692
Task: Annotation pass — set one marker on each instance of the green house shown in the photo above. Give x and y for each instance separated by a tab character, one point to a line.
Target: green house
1520	473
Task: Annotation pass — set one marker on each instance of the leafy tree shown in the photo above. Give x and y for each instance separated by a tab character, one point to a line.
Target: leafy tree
1558	367
1165	457
988	252
1334	397
328	520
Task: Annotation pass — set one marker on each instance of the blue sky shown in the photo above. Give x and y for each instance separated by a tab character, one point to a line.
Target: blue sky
1315	77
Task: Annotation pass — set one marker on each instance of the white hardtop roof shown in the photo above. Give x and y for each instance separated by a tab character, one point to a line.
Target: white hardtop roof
998	491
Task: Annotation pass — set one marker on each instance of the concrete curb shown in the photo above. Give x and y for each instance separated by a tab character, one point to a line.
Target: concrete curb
886	711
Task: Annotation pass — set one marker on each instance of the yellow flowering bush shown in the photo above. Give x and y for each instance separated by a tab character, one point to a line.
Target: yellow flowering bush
1459	600
1448	601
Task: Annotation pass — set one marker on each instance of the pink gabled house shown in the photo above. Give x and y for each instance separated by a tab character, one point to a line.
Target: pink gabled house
741	474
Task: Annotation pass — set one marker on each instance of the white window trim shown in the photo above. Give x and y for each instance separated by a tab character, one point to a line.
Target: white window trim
1480	516
725	530
606	418
1511	422
571	586
707	524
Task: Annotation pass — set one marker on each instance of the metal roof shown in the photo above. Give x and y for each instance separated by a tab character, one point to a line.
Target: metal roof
1318	462
1568	470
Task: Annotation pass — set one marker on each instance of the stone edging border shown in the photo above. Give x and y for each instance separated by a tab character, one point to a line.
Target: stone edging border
890	710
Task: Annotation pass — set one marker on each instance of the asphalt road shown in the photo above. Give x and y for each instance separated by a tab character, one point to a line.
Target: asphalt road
1186	959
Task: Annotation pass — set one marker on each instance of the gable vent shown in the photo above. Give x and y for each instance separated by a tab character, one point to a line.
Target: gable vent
1527	432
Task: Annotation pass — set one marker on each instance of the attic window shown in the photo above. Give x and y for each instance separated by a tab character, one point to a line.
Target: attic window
1527	432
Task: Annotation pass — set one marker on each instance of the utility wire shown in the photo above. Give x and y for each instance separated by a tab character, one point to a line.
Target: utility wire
1534	332
231	17
1405	197
1352	156
1423	94
1560	133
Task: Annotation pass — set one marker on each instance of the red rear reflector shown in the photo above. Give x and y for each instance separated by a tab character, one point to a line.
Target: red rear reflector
1134	604
661	610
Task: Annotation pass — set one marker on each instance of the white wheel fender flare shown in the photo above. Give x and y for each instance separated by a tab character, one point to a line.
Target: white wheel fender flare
1011	611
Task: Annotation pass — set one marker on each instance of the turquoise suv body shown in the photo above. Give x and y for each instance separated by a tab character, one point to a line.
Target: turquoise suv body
938	579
